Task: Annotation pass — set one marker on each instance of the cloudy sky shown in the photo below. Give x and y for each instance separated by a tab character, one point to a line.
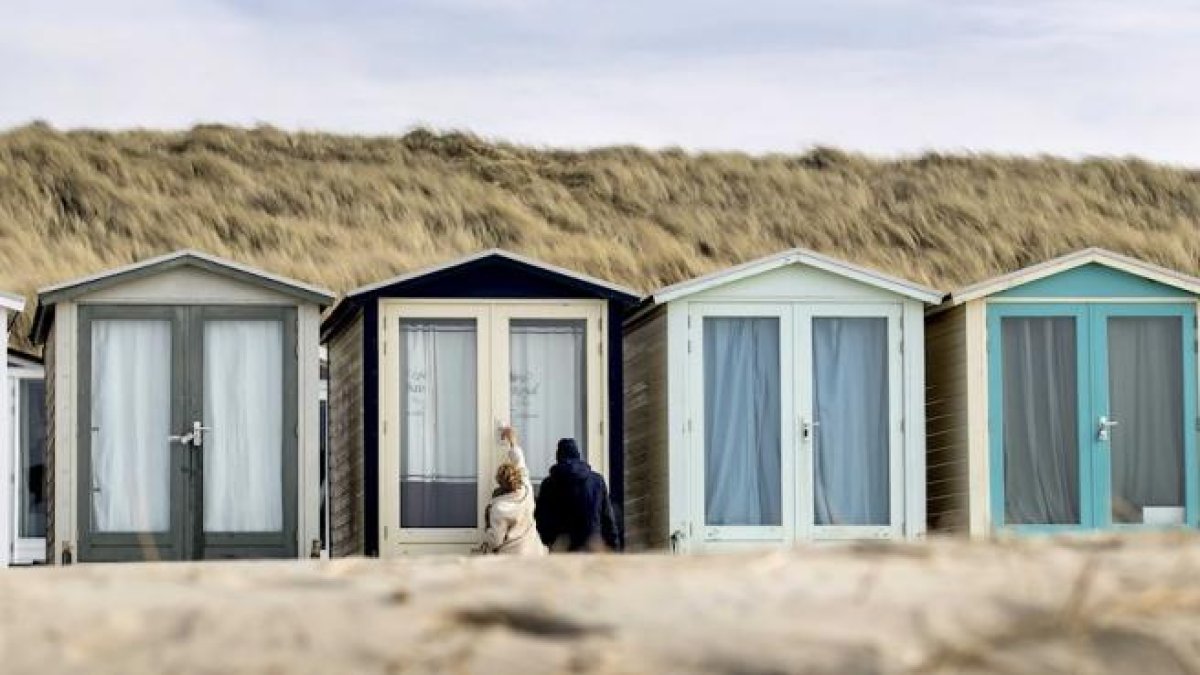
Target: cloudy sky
1071	77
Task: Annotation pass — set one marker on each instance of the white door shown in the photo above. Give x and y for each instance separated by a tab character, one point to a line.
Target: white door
454	373
796	412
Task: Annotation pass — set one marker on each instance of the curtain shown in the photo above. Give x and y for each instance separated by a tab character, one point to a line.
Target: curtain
439	404
131	419
32	466
1145	375
851	440
243	408
1041	439
547	387
742	380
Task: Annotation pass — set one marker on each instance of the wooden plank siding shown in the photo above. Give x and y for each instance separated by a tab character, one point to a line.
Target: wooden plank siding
946	410
347	523
647	476
48	358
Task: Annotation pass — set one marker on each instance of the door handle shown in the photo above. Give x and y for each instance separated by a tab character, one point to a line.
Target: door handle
182	439
807	428
1104	427
195	437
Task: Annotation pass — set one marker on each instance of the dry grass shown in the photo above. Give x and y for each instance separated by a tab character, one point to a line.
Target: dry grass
344	210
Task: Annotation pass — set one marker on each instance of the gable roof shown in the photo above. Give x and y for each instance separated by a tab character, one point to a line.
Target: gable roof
69	290
13	303
454	279
496	253
797	256
1087	256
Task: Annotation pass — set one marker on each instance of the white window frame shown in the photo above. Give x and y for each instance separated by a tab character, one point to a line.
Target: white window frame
796	463
783	533
893	313
25	550
492	360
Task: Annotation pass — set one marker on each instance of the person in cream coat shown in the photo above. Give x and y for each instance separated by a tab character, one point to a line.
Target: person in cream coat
511	529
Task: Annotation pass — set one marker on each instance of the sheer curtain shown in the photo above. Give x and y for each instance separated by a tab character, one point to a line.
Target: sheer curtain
131	419
439	467
852	437
547	387
243	408
1041	438
1145	375
742	379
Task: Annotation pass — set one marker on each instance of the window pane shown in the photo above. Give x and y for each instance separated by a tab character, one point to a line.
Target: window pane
438	408
131	419
32	461
243	409
1041	438
1145	388
852	435
742	480
547	387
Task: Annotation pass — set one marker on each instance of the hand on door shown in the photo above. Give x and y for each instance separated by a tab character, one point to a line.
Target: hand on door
508	435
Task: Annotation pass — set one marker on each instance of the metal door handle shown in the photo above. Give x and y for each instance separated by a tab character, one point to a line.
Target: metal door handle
1104	431
198	433
184	439
807	428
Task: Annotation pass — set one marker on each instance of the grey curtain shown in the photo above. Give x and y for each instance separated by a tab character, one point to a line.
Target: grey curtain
1145	376
439	461
742	445
31	475
851	439
1041	439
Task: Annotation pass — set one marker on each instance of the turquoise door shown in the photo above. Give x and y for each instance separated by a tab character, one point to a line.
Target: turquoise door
1092	416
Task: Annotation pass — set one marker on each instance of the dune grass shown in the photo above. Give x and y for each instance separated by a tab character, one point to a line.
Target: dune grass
346	210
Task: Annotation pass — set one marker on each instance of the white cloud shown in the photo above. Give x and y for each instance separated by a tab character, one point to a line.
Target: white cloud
1063	76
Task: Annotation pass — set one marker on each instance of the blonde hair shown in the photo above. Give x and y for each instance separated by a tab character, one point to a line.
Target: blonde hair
510	477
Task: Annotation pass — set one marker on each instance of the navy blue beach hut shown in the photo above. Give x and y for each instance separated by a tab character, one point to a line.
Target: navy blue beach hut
424	370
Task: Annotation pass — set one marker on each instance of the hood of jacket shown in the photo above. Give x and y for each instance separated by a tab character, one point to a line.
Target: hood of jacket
572	469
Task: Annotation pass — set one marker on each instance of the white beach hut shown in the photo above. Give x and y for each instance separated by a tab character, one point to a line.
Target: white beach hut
10	306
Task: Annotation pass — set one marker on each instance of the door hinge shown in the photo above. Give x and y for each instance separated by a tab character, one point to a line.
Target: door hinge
385	532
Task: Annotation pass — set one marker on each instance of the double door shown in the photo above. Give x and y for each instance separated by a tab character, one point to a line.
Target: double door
1093	417
453	374
796	413
187	432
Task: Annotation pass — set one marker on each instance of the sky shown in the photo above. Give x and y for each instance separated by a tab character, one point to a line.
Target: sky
885	77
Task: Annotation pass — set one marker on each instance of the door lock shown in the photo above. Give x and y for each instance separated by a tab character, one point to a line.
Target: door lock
807	428
195	437
1104	428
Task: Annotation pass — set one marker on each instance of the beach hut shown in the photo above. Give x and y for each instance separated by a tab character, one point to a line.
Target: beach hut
26	456
1062	397
776	402
182	396
426	367
10	307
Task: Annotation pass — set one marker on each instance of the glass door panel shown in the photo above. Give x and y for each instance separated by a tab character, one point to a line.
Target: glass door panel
439	404
1144	424
130	412
743	420
547	387
1040	413
31	466
851	429
243	445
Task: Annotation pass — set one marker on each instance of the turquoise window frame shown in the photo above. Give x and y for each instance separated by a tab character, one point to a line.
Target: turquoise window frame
995	316
1102	451
1095	461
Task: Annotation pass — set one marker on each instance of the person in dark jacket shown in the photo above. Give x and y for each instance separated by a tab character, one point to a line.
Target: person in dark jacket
573	510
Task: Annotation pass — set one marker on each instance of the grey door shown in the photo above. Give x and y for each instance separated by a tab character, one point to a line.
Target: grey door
187	433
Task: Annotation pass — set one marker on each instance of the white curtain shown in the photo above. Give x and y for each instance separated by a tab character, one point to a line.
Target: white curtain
742	479
851	438
547	388
131	419
439	406
1145	375
243	408
1041	439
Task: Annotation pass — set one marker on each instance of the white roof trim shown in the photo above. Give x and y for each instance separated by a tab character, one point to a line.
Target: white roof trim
409	276
14	303
1070	261
802	257
188	253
